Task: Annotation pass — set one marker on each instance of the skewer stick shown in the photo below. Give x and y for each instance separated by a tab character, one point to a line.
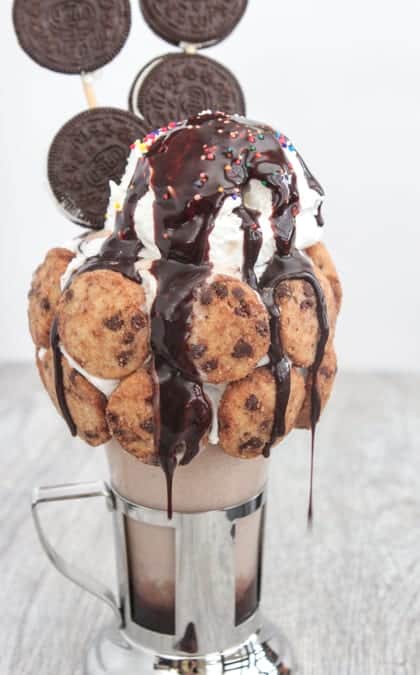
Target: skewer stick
87	82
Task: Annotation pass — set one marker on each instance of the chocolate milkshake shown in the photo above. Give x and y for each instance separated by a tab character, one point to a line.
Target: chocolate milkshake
193	333
213	481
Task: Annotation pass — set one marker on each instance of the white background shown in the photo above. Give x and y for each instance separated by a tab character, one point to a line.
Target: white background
340	78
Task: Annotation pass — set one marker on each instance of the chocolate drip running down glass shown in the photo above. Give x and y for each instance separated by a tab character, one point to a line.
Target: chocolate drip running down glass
192	335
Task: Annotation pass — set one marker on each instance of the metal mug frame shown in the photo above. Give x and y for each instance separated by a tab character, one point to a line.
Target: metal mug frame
254	647
209	607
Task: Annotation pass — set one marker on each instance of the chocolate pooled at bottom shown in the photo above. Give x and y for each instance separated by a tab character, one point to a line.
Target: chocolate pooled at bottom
192	167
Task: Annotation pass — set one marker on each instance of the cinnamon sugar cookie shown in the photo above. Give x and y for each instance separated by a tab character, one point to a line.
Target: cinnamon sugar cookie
246	412
229	330
299	328
45	293
130	415
102	323
86	404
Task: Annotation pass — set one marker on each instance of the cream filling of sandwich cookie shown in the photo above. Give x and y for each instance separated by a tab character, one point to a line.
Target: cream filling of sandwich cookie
105	386
134	95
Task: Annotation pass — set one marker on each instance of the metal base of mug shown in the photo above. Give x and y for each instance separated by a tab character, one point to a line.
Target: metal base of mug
266	652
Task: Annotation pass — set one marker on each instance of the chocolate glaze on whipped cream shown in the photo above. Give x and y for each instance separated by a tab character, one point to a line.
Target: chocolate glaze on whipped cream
192	168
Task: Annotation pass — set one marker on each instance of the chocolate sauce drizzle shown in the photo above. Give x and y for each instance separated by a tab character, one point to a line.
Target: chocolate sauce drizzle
182	411
192	168
58	377
295	265
189	641
310	178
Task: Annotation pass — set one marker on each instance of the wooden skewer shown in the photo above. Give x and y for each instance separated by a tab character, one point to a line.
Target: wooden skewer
87	82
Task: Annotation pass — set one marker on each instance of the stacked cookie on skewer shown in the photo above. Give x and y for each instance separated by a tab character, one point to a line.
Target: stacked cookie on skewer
91	148
177	85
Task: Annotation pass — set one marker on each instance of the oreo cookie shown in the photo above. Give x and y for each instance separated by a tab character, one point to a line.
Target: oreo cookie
90	150
72	37
198	22
176	86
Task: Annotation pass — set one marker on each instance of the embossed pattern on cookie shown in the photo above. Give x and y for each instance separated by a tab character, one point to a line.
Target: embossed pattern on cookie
89	151
199	22
177	86
72	37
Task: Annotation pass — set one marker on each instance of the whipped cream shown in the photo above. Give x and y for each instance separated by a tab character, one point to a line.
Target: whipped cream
149	284
84	249
214	393
308	232
106	386
226	237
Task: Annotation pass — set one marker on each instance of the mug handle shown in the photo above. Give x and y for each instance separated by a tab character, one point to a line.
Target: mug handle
56	493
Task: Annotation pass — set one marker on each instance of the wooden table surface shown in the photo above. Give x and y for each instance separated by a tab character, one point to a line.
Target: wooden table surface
347	594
